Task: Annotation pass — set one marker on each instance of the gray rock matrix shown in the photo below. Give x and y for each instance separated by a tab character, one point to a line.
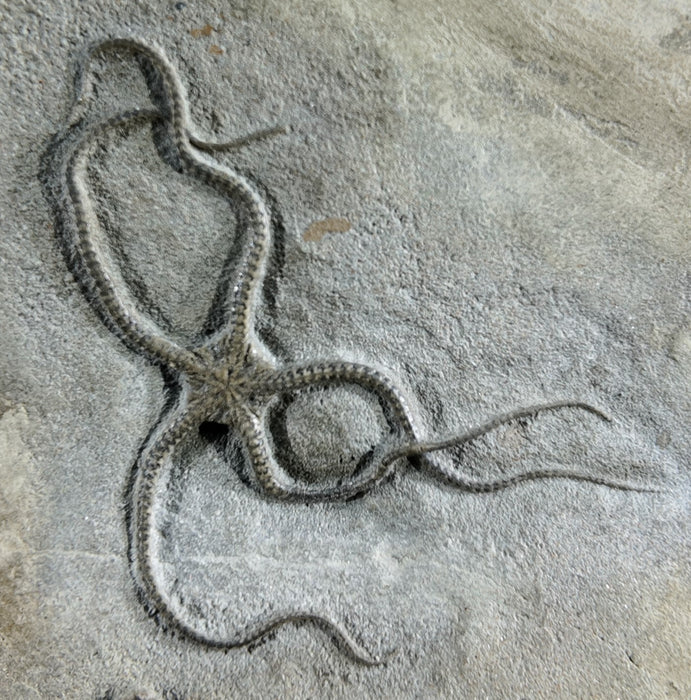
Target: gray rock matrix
487	204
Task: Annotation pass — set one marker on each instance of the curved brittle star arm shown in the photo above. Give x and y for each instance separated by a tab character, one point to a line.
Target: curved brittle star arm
254	212
127	320
140	333
423	449
383	459
231	342
321	375
241	142
185	421
176	109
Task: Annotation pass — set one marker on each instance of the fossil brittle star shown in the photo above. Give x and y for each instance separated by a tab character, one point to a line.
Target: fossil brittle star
231	378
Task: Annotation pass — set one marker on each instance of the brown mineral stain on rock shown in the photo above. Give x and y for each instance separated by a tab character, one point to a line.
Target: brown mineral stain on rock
216	50
316	231
204	31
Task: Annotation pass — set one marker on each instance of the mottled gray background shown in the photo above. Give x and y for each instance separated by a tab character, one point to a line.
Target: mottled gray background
515	183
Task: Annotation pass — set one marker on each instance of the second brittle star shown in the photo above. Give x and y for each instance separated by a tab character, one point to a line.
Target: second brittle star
231	378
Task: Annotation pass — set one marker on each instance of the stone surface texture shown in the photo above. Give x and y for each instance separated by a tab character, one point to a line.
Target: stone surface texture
489	202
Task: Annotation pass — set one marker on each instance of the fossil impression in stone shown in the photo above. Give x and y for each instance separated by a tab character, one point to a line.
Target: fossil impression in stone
231	378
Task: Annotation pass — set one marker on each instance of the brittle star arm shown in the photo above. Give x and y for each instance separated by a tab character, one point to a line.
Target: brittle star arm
144	534
175	109
174	92
384	457
272	479
423	449
232	342
139	332
241	142
254	213
125	318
